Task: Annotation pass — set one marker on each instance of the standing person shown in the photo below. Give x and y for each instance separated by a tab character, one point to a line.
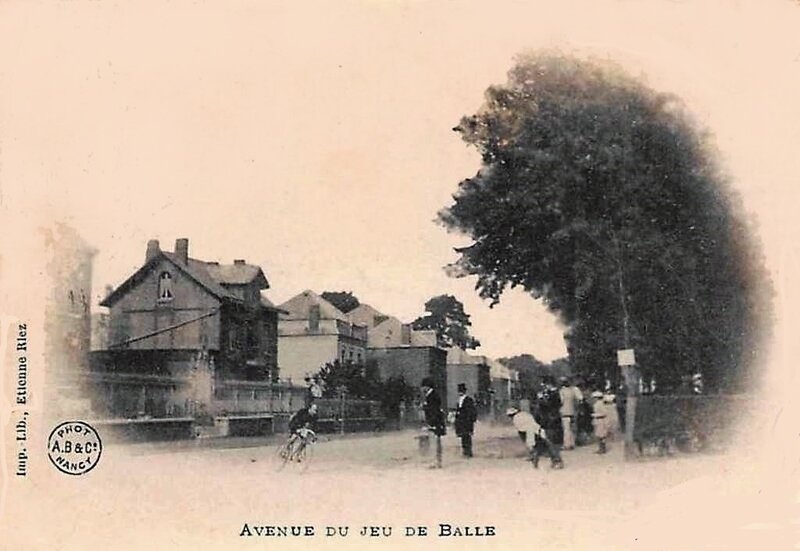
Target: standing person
434	417
313	390
535	438
600	420
466	415
548	406
570	395
584	422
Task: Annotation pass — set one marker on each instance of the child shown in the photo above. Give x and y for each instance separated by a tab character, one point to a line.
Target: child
600	420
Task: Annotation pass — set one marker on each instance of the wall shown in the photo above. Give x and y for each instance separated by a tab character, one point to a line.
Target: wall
351	349
412	363
303	355
475	376
249	343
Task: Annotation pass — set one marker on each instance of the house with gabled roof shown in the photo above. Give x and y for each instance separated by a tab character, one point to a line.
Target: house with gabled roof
174	307
313	332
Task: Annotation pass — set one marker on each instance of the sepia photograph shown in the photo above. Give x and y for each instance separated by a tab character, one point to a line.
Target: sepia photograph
410	274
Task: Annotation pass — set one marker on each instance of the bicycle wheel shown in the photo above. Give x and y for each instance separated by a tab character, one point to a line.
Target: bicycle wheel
303	456
284	454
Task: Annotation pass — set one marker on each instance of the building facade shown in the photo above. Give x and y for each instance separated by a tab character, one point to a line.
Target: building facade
175	307
312	332
473	371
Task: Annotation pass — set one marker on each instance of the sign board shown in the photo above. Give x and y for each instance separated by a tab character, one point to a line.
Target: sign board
625	357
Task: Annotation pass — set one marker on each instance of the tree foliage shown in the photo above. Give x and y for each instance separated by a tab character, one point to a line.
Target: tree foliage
601	197
363	381
345	301
446	316
533	372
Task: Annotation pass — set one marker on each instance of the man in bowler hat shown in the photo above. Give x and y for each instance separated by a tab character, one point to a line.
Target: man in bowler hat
466	415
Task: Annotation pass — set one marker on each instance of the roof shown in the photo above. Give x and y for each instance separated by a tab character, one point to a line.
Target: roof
237	274
459	356
499	371
267	303
365	314
204	273
297	307
389	333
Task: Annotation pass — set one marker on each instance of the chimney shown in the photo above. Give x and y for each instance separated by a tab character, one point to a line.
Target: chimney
313	318
239	261
182	250
153	250
405	334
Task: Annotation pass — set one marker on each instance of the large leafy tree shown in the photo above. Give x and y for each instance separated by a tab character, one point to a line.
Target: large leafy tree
446	315
601	197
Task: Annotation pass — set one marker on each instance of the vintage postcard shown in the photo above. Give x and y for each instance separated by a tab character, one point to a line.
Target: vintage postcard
399	274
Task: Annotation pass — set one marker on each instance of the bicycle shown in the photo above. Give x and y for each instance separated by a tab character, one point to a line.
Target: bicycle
298	449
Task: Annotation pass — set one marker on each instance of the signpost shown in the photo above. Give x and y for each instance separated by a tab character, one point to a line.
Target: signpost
626	359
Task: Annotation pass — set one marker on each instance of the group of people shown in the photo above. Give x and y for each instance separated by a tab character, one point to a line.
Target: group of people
557	417
561	416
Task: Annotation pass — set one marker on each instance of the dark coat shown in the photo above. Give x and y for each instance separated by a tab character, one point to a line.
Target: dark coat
434	417
466	415
301	419
549	415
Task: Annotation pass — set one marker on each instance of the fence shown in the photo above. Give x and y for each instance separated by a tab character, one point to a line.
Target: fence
126	395
242	397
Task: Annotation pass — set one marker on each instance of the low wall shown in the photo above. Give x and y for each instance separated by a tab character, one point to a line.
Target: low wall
145	430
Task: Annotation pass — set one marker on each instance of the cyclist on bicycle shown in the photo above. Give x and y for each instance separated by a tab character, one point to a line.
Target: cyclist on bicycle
303	421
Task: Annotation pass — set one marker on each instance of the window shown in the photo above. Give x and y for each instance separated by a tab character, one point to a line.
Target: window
234	342
165	287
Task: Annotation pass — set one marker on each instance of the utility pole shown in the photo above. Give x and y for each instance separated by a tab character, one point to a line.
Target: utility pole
629	370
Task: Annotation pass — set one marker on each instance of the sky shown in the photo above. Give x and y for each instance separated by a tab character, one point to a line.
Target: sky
315	139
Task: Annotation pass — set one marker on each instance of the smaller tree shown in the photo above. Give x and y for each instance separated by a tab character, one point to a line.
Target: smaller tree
446	316
391	393
343	300
351	376
363	381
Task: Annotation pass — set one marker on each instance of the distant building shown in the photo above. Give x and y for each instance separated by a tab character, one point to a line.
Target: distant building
472	370
504	386
313	332
175	307
388	331
399	350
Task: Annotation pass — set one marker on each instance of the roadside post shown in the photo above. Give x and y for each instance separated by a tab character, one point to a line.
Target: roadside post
626	359
342	409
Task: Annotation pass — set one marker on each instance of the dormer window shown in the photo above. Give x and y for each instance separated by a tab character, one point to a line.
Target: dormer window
165	287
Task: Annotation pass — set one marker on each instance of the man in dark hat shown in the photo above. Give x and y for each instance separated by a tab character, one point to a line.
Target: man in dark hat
434	417
466	415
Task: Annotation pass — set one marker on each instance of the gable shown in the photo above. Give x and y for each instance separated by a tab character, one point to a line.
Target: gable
298	307
366	315
144	283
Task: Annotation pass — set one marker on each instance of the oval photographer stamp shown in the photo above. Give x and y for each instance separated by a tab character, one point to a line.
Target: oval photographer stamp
74	447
